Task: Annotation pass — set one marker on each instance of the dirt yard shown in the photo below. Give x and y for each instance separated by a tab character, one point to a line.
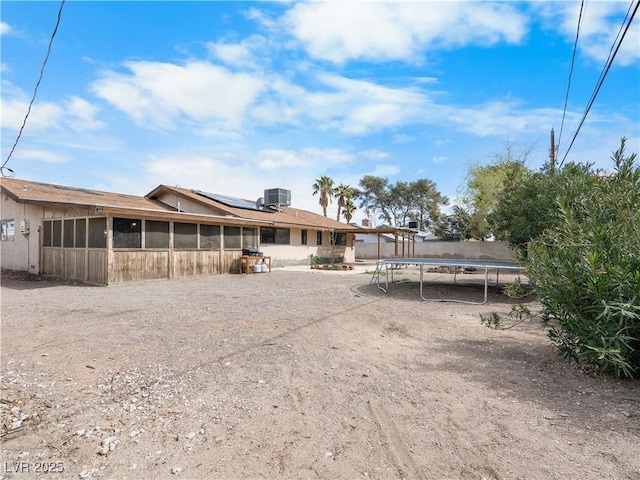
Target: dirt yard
295	374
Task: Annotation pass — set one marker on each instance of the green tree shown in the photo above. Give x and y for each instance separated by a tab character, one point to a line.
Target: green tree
586	269
342	193
486	184
403	201
531	207
325	189
374	197
348	209
584	261
455	226
427	202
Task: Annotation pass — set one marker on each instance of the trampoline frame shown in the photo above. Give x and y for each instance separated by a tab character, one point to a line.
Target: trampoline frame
388	264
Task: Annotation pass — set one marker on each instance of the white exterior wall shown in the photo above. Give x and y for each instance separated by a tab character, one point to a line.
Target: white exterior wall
373	238
284	255
186	205
23	253
297	254
436	249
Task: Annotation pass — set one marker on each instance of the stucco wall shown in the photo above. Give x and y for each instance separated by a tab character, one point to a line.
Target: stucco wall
286	255
469	250
23	253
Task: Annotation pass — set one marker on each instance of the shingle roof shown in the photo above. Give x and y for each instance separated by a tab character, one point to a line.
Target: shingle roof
286	217
48	193
27	191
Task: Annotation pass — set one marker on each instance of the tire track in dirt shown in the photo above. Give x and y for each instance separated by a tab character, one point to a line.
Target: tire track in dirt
399	451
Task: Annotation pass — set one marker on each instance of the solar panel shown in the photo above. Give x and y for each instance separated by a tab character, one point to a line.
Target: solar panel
230	201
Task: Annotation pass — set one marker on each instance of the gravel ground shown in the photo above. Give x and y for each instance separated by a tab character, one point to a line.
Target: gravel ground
297	373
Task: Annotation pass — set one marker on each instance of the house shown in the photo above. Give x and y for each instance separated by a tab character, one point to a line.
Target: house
104	238
402	240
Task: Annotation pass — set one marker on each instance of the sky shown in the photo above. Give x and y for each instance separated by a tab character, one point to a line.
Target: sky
238	97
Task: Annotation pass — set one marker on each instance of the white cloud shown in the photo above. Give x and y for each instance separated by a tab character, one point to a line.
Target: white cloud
242	54
40	156
500	118
247	174
385	170
232	54
5	28
439	159
74	113
374	154
82	114
337	103
43	115
274	159
233	177
382	31
403	139
161	93
601	24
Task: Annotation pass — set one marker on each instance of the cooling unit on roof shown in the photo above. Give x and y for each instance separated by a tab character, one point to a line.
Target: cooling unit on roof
277	197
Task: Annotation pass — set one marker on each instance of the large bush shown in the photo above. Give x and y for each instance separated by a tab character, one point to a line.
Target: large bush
586	269
531	207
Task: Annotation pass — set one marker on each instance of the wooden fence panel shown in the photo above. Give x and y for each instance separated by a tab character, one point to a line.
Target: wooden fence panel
97	266
75	263
133	266
53	261
196	262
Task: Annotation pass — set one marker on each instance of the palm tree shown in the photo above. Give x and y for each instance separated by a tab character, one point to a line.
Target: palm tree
342	192
348	208
324	187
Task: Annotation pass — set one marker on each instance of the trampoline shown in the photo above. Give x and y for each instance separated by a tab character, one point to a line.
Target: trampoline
388	265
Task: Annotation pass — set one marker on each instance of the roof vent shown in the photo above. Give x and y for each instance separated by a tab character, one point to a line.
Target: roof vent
260	203
277	197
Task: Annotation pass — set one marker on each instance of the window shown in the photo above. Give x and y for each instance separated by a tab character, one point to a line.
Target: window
319	238
98	232
8	229
232	237
46	234
81	233
249	237
339	238
185	235
68	231
57	233
279	236
303	237
127	233
209	236
156	234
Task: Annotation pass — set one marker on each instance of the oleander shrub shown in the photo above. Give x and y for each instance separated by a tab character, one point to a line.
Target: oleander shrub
585	269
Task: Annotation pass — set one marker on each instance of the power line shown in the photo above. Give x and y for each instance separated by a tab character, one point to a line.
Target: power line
603	75
4	167
573	61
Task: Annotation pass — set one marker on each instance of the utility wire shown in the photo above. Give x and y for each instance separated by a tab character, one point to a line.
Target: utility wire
603	74
573	61
4	167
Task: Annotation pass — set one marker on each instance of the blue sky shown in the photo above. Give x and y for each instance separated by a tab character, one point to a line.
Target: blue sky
236	97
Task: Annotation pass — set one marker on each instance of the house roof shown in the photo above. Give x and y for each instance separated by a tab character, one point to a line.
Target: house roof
54	195
286	217
25	191
37	192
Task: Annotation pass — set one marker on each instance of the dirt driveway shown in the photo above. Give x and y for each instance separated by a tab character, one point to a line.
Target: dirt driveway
295	374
